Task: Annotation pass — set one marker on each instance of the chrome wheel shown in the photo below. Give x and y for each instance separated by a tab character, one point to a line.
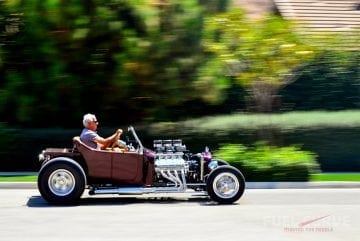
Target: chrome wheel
226	185
61	182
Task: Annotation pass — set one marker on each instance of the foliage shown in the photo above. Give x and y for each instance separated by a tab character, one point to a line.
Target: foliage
214	6
332	135
290	121
165	68
60	59
330	81
268	163
136	61
262	56
9	141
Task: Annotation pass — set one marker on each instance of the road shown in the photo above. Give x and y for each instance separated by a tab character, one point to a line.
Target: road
261	214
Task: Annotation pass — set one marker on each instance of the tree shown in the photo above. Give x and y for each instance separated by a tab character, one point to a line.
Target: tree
330	81
61	59
262	56
171	55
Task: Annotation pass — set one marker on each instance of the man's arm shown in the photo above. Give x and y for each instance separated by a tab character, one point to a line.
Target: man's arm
105	142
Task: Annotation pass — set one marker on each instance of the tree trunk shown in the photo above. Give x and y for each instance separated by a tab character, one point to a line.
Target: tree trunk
262	96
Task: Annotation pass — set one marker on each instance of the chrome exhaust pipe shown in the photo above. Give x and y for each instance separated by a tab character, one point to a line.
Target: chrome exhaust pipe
123	190
177	179
135	190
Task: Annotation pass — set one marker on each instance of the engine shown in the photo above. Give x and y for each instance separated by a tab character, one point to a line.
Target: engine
169	161
169	155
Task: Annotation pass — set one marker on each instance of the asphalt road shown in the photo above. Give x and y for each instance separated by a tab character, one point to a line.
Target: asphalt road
261	214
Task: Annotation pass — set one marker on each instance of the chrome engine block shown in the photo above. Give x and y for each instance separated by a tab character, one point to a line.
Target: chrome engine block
169	162
169	155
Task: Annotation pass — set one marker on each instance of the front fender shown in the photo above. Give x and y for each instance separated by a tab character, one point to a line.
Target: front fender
215	163
222	162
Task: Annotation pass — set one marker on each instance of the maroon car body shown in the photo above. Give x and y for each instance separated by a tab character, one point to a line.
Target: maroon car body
66	172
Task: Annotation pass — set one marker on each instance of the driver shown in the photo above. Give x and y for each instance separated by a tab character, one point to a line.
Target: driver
90	137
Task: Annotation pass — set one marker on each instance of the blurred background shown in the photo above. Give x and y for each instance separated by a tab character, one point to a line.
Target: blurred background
277	72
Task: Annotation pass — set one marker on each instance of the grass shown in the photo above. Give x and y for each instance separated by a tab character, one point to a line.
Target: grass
24	178
284	121
351	177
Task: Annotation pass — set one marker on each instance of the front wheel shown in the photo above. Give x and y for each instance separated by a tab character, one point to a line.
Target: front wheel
61	183
225	184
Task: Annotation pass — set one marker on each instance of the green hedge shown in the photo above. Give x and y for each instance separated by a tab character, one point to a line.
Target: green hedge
268	163
332	135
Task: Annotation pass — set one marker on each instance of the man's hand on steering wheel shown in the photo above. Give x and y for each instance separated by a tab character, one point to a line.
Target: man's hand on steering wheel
116	138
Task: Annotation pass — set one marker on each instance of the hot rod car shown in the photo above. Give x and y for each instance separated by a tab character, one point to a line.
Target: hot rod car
66	172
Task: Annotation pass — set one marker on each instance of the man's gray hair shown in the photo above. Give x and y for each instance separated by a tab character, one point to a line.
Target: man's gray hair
88	118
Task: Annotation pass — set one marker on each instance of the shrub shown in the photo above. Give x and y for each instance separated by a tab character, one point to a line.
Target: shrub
269	163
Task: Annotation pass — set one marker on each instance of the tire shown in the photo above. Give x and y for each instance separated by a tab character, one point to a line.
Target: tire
61	183
225	185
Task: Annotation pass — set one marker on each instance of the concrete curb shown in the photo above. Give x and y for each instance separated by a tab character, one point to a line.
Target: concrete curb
8	174
249	185
18	185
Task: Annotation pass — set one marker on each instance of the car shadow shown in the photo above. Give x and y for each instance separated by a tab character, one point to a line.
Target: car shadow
39	202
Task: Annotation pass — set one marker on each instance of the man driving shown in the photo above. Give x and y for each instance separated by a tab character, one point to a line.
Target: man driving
90	137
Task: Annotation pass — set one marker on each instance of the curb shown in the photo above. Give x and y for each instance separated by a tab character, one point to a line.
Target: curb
8	174
18	185
249	185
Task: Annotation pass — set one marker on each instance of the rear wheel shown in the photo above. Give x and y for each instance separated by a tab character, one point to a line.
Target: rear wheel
225	184
61	183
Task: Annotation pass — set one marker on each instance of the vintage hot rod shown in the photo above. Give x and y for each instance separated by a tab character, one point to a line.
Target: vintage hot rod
170	168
